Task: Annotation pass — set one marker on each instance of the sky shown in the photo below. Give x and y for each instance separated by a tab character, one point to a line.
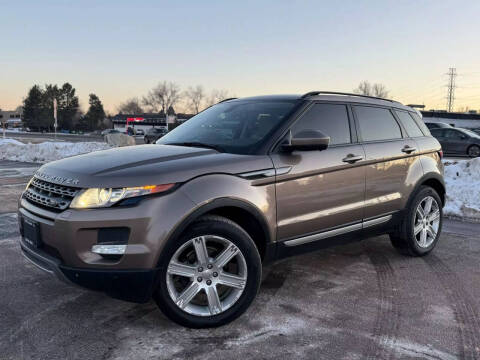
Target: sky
121	49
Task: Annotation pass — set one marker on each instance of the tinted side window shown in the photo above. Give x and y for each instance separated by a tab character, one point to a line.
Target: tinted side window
437	132
421	123
453	134
377	124
409	124
331	119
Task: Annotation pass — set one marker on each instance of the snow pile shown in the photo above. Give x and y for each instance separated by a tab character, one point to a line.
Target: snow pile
119	139
10	141
11	149
462	179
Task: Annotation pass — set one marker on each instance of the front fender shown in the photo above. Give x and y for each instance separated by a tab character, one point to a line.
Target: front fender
214	191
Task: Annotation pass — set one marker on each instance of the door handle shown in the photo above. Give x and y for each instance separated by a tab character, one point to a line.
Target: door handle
409	149
351	158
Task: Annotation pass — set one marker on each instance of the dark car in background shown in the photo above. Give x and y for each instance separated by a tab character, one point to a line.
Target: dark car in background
154	134
458	141
437	125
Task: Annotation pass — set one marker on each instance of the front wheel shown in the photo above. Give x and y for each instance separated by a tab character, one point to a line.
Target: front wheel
420	229
210	275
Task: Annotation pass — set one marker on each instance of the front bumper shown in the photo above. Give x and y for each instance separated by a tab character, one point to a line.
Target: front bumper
135	285
67	239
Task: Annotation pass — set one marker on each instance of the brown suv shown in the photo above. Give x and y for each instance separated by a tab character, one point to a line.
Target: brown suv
190	220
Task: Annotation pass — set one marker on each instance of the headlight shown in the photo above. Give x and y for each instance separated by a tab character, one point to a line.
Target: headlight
97	198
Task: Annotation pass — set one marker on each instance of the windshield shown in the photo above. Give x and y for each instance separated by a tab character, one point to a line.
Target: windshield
238	127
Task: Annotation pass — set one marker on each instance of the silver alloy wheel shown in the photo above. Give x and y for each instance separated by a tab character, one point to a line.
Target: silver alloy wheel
204	274
427	222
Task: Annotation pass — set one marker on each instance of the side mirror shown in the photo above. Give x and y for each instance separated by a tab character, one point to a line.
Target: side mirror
306	140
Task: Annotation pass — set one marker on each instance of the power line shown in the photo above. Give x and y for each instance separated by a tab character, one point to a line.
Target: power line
452	73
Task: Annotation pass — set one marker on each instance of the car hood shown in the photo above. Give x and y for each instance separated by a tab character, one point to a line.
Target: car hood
147	165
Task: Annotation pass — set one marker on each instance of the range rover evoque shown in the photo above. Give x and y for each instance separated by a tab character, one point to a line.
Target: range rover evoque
191	219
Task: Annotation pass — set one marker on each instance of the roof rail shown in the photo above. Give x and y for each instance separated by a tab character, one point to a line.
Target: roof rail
226	100
312	93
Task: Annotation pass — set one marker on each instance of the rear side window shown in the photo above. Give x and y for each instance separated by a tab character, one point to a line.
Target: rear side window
331	119
420	123
377	124
409	124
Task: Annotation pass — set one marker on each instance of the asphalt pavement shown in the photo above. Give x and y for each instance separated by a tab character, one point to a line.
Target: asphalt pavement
360	301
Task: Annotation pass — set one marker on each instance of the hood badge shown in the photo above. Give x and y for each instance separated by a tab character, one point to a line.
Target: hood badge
56	179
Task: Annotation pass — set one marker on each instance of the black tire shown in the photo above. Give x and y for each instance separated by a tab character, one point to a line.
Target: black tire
473	151
403	238
220	226
146	140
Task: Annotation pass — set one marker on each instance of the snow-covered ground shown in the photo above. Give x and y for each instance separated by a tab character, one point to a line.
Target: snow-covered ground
11	149
462	179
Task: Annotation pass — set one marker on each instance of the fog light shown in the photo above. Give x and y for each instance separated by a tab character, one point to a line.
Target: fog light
109	249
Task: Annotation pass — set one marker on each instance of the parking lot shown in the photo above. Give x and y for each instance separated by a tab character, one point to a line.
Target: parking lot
357	301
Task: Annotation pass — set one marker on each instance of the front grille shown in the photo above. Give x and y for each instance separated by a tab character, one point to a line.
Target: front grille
49	195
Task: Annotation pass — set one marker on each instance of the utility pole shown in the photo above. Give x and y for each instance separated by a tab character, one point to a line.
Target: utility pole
452	74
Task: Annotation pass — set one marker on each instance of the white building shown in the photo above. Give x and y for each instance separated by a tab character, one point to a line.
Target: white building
462	120
11	118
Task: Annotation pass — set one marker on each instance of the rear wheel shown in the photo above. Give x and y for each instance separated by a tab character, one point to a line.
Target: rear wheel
420	229
210	276
474	151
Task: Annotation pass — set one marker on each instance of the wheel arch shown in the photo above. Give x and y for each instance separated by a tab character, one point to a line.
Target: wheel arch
244	214
434	181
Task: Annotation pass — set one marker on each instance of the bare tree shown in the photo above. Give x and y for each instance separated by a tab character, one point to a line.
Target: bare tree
463	109
130	106
377	89
194	97
161	97
216	96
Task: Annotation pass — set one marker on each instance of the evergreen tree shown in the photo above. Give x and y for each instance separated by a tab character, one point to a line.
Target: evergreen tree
33	109
38	107
51	92
95	115
171	110
68	106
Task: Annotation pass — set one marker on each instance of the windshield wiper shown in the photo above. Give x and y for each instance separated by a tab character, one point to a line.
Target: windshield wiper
198	144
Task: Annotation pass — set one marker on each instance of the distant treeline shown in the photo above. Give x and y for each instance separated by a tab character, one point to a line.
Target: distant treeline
38	109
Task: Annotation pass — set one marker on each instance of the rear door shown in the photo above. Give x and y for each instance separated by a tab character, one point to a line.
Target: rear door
389	154
455	140
321	190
